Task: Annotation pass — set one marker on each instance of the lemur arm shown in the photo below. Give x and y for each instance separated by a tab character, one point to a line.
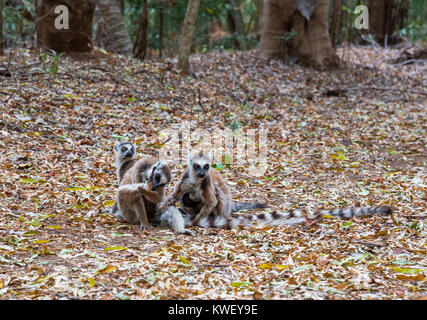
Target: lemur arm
153	196
172	198
133	190
144	188
210	202
223	206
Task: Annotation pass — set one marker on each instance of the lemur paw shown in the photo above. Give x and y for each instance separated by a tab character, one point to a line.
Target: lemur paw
144	226
188	232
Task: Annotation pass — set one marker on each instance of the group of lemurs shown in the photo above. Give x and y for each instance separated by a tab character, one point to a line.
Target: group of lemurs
203	196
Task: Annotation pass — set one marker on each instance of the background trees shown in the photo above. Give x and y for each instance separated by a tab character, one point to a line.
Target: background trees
77	37
111	31
298	30
124	27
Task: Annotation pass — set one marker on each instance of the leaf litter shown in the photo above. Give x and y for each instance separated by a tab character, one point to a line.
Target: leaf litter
351	137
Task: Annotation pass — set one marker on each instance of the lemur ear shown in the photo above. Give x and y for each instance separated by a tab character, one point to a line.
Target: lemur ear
156	166
159	165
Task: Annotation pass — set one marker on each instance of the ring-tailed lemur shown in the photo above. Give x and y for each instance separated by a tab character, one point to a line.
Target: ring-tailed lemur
202	192
205	201
275	218
124	154
141	189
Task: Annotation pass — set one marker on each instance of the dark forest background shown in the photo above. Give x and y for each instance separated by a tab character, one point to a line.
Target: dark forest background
221	24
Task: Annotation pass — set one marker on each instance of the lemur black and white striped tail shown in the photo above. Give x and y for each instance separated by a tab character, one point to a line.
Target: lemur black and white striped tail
291	217
237	206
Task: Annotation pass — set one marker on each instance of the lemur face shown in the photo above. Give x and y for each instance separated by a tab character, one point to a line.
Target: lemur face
124	150
200	165
160	175
201	169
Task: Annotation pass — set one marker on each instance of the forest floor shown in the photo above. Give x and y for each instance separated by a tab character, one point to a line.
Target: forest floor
351	137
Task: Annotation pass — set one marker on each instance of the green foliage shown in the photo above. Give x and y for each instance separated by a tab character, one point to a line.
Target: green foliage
417	21
51	61
172	14
415	28
18	29
166	18
287	35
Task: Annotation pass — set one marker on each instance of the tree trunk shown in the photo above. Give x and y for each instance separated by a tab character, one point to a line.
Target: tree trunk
186	36
140	46
1	28
122	6
112	34
231	25
298	29
258	17
335	23
77	38
235	24
161	14
377	9
386	17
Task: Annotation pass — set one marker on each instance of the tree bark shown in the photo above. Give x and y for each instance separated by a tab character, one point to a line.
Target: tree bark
77	38
258	17
298	29
186	36
112	34
122	6
386	17
231	25
335	23
140	46
235	23
1	28
161	16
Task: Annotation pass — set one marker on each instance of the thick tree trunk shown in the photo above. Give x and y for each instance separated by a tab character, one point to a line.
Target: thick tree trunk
112	34
377	9
140	46
386	17
298	29
77	38
186	36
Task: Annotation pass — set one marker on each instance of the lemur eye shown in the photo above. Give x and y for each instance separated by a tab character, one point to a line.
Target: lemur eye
123	149
196	166
206	167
